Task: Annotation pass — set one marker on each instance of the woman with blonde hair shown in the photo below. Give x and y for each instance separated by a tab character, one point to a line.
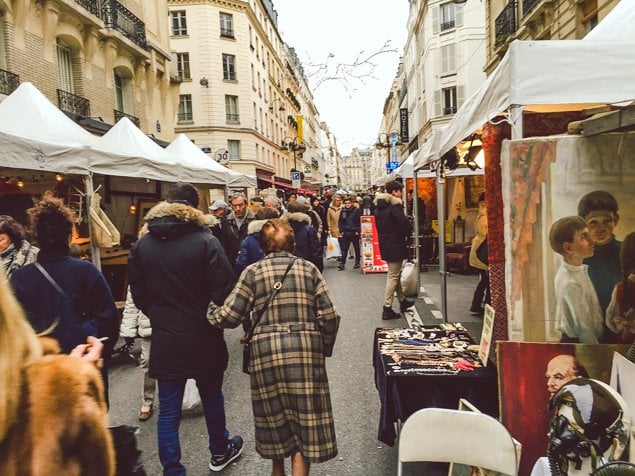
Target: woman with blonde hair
53	413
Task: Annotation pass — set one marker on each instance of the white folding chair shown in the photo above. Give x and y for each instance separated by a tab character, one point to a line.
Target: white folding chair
457	436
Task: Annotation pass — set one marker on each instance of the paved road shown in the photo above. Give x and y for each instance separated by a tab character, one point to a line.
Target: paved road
355	400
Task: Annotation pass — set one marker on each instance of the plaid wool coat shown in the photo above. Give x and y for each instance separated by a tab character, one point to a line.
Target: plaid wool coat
289	385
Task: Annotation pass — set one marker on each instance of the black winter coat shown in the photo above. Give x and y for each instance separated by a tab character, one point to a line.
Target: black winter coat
393	227
307	245
349	220
175	271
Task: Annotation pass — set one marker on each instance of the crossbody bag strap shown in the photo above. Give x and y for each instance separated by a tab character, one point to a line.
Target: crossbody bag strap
51	280
276	288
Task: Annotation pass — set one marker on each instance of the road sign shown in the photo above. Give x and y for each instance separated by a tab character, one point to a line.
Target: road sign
390	166
295	179
222	156
207	150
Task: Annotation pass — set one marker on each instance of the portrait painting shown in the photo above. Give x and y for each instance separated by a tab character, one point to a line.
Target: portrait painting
529	373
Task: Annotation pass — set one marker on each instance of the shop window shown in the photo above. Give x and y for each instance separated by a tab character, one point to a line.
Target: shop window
183	65
179	23
185	108
231	109
226	25
229	67
233	147
65	67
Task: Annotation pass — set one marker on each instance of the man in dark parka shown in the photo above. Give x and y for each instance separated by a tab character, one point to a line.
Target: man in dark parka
175	270
393	229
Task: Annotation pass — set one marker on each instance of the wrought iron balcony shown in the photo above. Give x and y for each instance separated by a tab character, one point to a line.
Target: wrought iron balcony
528	5
133	119
71	103
447	25
9	82
449	110
505	24
90	5
116	16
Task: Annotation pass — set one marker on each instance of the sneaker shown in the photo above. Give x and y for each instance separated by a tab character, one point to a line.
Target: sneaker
234	448
477	310
389	314
356	266
405	305
340	267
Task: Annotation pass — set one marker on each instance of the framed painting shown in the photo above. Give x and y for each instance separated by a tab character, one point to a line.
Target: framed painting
474	186
143	207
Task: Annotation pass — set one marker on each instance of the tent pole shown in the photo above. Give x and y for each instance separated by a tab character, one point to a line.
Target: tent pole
441	238
94	249
516	116
415	226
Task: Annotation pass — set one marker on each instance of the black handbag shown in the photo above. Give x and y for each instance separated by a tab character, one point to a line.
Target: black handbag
482	252
127	454
247	338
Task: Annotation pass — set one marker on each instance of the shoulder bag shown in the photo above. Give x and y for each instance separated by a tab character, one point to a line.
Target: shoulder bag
247	338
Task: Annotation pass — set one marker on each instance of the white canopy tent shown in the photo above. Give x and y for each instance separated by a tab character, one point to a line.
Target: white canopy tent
556	75
184	150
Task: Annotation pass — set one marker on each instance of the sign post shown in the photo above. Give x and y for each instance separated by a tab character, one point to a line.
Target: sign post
295	180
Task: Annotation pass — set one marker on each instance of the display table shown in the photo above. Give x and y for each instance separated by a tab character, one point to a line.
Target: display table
431	367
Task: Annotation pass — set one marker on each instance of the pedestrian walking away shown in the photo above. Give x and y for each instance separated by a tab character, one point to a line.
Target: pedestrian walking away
175	271
289	385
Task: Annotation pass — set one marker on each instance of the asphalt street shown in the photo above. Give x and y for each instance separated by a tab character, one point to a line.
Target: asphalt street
355	400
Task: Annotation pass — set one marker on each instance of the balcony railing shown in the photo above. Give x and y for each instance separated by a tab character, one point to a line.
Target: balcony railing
447	25
528	5
133	119
90	5
449	110
505	24
9	82
116	16
71	103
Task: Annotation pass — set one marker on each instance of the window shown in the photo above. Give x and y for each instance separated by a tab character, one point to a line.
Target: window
229	67
231	108
185	108
233	147
123	94
65	66
447	16
449	101
448	58
226	25
589	15
183	65
179	23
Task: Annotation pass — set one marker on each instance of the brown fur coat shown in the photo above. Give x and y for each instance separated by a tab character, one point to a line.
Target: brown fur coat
61	427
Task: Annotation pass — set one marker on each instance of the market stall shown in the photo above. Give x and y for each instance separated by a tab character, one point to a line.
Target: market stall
433	366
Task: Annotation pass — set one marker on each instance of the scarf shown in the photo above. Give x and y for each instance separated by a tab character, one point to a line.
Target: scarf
14	258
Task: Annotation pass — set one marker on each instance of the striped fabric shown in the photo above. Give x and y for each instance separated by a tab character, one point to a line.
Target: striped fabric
289	385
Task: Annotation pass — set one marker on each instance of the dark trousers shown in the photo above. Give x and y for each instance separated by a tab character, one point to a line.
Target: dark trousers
170	401
481	293
345	243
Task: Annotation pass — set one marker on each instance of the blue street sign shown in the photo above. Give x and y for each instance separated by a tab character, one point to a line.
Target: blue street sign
295	175
207	150
390	166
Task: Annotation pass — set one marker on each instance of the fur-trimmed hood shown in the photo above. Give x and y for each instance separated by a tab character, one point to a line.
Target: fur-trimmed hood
386	199
168	220
255	226
210	220
297	216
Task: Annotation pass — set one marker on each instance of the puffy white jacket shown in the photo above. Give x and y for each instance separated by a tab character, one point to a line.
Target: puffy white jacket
134	323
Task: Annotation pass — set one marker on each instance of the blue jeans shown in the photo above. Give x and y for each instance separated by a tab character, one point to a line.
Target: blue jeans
170	401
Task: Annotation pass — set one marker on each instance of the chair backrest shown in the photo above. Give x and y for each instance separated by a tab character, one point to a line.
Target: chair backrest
456	436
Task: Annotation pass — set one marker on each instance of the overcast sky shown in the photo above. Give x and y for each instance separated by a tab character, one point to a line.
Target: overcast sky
344	28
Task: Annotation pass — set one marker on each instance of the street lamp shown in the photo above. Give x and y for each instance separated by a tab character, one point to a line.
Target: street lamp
390	143
293	145
273	103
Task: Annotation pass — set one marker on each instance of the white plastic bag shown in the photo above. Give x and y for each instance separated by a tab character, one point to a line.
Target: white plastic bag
409	280
332	248
191	396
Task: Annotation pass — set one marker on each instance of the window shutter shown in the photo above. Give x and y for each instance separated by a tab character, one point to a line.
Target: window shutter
435	20
460	96
458	14
451	57
437	103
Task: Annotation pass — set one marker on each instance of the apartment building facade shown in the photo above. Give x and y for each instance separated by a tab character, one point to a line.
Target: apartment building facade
442	65
509	20
243	90
97	60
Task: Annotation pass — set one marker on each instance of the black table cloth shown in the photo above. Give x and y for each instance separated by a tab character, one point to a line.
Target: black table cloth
403	394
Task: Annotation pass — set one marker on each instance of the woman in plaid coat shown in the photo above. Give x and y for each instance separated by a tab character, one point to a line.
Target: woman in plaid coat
289	386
